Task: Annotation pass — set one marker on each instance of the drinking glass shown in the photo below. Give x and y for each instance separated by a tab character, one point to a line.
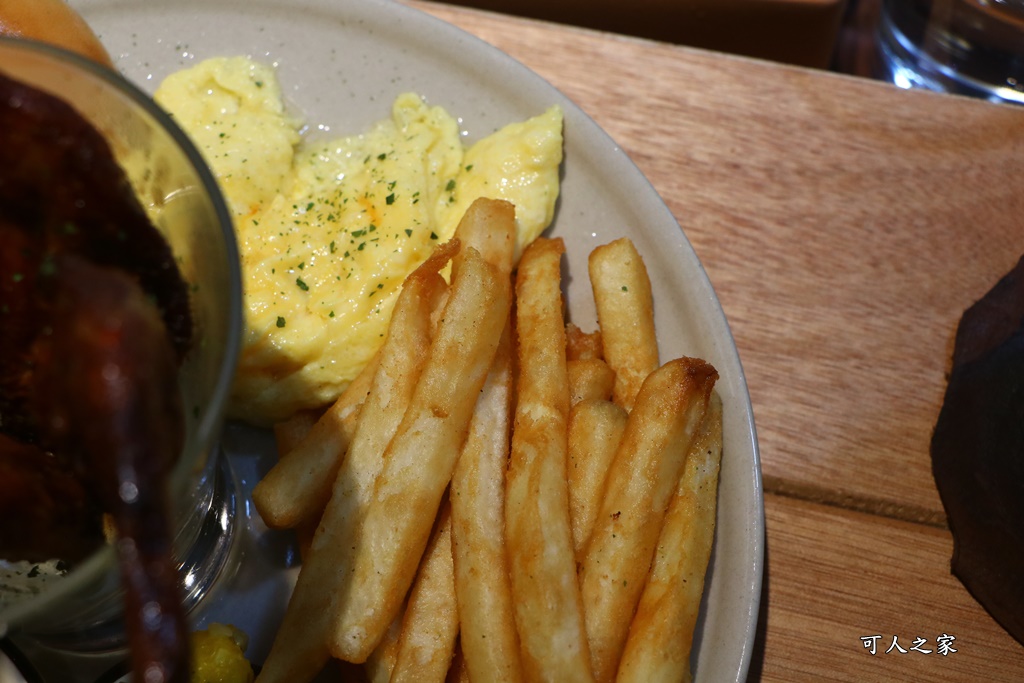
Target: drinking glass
967	47
80	609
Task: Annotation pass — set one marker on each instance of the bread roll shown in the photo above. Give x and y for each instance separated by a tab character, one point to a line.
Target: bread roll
51	21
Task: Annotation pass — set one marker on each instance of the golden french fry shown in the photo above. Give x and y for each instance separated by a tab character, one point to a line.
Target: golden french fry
430	627
546	596
370	582
381	662
580	345
641	481
595	431
289	433
489	226
625	314
490	644
298	486
304	533
301	647
661	635
589	378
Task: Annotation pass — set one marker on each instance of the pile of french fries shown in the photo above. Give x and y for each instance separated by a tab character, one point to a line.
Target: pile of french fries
501	496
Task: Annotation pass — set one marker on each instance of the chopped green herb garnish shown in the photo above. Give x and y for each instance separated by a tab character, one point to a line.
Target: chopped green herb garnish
47	267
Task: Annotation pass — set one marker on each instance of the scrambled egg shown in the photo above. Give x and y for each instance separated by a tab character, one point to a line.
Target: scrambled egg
218	655
329	229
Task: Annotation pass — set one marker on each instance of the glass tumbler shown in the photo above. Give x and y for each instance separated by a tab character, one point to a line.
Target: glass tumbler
80	609
967	47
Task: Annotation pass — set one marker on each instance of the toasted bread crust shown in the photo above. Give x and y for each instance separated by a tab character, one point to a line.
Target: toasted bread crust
54	22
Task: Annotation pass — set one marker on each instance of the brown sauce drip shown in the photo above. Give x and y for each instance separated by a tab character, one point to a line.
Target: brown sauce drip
94	319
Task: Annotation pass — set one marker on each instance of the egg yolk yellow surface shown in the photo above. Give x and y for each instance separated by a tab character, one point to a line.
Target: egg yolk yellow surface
218	655
328	229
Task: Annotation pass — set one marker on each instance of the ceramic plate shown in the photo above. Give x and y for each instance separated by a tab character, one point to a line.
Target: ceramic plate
342	62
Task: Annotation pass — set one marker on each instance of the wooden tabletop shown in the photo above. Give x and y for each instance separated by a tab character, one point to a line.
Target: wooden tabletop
845	225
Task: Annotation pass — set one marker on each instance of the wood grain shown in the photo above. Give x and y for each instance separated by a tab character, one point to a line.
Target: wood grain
837	576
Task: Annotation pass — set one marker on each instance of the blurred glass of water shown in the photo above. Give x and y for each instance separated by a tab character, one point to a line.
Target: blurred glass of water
968	47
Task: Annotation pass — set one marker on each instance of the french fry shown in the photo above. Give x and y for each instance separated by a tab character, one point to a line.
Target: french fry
589	378
595	430
370	582
546	596
489	226
580	345
381	662
430	626
287	435
298	486
661	635
625	314
643	477
490	645
301	647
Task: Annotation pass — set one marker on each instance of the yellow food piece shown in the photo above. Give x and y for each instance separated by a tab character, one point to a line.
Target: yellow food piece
329	229
218	655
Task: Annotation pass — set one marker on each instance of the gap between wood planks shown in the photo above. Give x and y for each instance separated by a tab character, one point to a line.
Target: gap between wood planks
848	501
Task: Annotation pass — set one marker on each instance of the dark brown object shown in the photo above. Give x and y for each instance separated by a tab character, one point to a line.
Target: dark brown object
95	319
978	451
793	31
46	509
106	382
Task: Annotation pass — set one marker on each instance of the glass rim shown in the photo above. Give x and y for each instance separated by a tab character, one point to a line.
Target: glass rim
211	417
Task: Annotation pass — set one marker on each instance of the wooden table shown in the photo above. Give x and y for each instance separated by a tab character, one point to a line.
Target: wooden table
845	225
